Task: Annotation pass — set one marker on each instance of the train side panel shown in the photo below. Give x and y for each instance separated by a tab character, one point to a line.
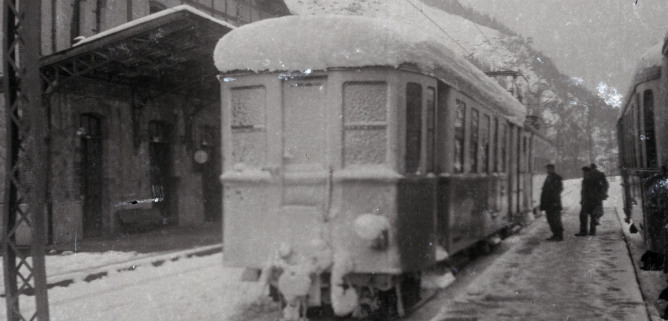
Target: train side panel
642	152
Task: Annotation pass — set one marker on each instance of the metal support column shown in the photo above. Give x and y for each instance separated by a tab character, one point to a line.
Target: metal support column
25	167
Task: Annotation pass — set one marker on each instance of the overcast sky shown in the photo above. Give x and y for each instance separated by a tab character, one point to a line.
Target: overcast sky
596	40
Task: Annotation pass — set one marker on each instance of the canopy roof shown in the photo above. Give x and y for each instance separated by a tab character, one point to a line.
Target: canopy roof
169	51
303	43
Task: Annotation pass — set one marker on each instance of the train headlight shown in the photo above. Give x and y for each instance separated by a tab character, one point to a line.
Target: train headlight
373	228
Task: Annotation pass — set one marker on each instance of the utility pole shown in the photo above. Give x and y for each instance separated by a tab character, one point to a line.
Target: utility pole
515	91
25	168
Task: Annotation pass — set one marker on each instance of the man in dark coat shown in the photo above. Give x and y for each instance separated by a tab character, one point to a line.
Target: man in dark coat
601	185
591	199
550	202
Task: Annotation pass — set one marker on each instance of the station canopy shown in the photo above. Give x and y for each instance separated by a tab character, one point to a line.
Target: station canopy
165	52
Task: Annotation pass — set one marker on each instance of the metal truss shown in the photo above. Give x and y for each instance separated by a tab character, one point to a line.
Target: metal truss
25	170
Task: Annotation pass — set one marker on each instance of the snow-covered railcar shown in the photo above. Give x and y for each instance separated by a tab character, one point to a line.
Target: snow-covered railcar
643	154
357	153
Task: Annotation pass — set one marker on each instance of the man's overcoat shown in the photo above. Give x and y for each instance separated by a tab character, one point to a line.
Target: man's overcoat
550	197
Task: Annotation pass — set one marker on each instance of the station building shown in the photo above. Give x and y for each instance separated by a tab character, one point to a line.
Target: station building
134	111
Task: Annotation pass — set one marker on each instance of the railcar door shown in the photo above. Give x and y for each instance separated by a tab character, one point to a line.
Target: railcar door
305	186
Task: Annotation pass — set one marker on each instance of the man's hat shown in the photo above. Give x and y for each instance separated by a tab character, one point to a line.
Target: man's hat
586	169
593	166
549	165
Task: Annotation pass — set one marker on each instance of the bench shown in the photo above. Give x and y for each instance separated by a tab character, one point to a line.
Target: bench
140	219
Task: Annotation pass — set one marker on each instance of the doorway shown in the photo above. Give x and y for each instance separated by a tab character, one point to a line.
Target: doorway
91	174
212	190
160	160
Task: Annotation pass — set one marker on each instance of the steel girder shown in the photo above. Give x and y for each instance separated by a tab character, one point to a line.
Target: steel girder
24	169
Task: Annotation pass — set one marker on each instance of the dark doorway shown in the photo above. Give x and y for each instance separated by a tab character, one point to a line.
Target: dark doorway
160	159
211	187
91	174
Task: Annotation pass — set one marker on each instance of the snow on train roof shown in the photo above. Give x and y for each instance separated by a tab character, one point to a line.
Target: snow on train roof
651	58
648	68
300	43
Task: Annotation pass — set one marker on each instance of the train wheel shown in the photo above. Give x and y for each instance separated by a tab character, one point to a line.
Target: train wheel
397	300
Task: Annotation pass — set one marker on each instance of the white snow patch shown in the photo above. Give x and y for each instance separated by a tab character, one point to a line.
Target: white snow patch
153	17
297	43
196	288
371	226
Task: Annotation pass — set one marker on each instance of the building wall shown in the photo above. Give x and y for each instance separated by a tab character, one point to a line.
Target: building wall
126	166
59	26
126	163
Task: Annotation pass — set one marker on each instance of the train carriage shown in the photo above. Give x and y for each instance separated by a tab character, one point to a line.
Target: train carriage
359	152
642	155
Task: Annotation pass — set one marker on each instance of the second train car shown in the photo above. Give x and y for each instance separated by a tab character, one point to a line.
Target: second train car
358	153
643	157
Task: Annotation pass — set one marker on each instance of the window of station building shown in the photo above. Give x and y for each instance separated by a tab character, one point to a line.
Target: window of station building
650	138
158	131
473	144
155	6
503	141
90	126
431	128
249	137
484	143
364	123
460	120
413	127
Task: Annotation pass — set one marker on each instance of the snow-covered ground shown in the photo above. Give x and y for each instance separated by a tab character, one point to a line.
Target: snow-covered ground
190	288
581	278
200	288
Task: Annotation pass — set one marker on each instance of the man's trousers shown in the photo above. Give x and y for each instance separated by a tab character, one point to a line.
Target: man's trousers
554	219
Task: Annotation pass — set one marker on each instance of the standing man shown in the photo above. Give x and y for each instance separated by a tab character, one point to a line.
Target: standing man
550	202
601	186
588	203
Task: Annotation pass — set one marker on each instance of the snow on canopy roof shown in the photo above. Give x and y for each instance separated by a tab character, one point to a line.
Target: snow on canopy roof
300	43
153	17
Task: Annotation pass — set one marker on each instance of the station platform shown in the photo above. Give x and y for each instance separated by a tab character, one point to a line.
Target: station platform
580	278
157	240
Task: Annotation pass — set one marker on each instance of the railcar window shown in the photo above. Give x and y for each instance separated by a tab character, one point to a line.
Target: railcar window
431	127
650	139
484	146
631	139
364	123
304	124
473	144
628	146
413	126
249	141
524	154
503	141
496	145
532	154
460	120
640	161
